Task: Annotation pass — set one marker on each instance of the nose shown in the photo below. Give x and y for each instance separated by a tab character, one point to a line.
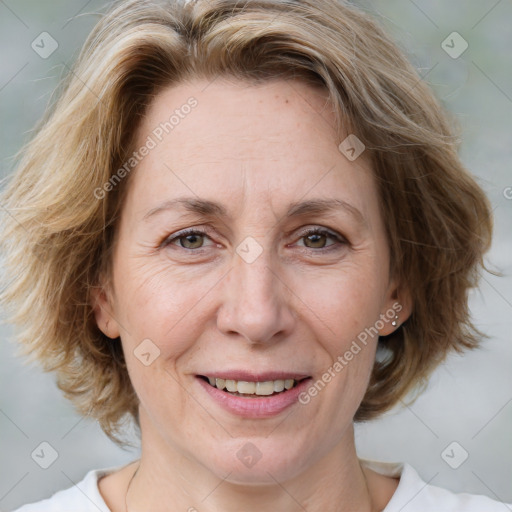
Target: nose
256	302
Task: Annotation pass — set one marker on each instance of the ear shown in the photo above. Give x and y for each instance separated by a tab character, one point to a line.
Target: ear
102	304
398	308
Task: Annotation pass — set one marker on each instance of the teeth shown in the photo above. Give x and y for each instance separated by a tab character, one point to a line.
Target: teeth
252	388
247	388
231	386
278	385
264	388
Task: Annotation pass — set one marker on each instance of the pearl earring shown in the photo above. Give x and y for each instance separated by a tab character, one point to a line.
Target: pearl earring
394	323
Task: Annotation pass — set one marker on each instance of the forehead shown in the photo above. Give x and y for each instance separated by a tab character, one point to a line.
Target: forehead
264	144
273	113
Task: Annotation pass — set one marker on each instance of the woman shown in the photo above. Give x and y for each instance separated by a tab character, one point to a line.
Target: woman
246	226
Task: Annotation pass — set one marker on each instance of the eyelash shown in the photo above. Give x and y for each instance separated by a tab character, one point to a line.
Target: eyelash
308	232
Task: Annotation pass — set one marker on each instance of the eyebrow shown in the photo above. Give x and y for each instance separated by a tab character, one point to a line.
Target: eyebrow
210	208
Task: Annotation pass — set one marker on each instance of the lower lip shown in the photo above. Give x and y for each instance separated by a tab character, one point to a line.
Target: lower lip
261	407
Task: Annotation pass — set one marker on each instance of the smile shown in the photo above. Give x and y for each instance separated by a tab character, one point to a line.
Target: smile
253	396
248	388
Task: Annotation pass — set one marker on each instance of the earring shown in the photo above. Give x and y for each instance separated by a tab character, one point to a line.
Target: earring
394	323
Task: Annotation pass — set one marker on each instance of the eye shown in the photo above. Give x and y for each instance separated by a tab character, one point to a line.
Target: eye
189	239
316	238
193	239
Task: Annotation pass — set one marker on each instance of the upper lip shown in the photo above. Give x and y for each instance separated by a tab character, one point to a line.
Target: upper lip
242	375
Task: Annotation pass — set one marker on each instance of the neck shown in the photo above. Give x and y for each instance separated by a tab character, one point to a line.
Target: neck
168	480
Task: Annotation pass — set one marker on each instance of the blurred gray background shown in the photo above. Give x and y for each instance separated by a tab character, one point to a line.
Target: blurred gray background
469	399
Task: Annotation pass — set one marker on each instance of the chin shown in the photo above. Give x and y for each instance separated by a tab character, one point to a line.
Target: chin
258	461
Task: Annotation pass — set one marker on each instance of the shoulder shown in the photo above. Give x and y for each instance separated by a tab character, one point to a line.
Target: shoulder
413	494
81	497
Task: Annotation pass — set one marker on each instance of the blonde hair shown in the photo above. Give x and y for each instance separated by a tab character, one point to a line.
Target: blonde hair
57	239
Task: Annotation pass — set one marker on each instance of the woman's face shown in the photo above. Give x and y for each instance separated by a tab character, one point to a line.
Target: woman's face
284	268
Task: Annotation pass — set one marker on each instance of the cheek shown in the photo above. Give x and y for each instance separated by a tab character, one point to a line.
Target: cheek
345	300
163	304
350	307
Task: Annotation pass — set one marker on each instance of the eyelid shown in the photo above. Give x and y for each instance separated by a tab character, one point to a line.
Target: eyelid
204	230
207	230
320	229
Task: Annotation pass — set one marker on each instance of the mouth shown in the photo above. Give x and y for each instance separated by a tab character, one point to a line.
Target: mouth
253	395
253	388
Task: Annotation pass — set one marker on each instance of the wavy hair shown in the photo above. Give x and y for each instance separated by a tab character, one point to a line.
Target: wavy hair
58	236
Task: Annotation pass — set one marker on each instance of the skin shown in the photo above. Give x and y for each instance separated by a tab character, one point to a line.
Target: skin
297	307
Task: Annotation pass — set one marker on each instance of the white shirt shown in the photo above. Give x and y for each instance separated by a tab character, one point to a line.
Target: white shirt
412	494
